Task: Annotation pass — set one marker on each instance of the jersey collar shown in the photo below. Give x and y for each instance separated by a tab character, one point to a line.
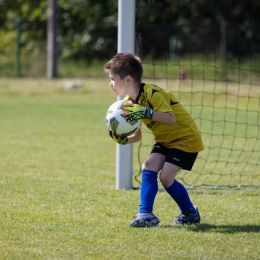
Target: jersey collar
139	94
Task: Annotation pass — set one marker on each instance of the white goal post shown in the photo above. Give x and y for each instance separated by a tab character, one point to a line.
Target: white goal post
125	44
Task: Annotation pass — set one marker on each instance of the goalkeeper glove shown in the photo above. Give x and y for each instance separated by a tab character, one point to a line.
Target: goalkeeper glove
136	112
118	138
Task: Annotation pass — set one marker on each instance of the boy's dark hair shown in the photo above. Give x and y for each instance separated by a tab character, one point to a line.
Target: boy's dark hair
125	64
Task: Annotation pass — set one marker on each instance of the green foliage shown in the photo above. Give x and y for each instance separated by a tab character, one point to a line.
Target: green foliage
96	31
58	197
197	27
7	42
85	28
88	29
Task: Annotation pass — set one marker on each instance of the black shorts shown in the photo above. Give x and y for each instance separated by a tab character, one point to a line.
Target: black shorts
178	157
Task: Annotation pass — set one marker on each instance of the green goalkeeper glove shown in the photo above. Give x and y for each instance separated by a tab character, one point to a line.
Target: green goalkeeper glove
118	138
136	112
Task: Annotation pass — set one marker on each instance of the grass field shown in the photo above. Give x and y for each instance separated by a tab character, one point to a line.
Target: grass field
58	198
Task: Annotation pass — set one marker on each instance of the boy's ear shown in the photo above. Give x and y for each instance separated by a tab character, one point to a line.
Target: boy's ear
128	78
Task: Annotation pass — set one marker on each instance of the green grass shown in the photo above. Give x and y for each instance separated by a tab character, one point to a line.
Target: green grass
196	67
58	198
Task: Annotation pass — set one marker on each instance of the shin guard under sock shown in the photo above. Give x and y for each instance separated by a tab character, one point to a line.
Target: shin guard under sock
149	189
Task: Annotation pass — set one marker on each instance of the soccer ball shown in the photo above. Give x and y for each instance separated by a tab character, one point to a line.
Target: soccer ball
117	123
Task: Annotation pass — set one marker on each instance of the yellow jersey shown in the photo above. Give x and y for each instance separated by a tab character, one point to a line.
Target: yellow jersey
184	135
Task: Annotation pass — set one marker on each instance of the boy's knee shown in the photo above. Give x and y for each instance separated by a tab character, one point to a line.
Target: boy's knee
152	166
146	165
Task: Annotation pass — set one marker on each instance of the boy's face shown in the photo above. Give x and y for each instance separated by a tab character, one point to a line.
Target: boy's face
118	85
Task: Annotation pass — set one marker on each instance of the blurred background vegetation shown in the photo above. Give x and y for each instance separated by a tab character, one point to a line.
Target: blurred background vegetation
214	34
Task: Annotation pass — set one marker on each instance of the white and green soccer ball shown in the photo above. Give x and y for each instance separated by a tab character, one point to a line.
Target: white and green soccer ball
117	123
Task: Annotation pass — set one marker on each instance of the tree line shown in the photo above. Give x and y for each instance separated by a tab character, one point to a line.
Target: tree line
88	28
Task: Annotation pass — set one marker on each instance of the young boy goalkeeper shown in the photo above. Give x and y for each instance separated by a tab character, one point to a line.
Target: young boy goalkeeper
177	139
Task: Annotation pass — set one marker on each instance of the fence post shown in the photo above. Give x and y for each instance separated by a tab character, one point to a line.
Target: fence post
18	48
52	55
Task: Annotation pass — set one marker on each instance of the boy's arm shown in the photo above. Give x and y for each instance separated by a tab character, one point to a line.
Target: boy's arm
167	118
136	137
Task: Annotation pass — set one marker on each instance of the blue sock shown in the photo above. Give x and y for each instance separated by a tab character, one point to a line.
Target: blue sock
149	189
180	195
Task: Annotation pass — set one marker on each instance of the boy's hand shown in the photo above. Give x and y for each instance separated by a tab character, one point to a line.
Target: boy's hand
136	112
118	138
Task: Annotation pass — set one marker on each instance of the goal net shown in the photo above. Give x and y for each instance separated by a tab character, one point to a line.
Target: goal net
206	53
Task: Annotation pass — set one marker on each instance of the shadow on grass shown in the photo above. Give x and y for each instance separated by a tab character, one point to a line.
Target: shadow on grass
229	229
